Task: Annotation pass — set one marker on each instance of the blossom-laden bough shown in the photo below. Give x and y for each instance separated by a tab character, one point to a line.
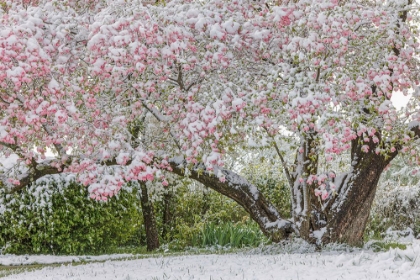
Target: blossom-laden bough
125	91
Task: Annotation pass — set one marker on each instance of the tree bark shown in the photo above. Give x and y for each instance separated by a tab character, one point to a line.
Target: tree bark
349	215
343	216
152	237
349	210
167	214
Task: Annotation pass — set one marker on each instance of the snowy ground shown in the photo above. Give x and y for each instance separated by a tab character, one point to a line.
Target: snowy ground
258	264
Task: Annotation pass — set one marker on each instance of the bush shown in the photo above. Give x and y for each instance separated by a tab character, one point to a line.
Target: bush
194	207
277	191
394	208
202	218
57	217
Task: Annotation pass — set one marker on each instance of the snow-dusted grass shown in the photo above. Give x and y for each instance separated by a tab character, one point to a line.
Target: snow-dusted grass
11	260
255	264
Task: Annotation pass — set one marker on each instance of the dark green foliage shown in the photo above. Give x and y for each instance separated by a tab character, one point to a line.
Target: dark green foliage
60	218
57	219
271	182
277	192
202	218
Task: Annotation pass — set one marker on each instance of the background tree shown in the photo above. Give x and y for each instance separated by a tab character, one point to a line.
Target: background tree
310	79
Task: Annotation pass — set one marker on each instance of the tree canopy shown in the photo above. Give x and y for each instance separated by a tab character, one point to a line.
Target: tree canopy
122	91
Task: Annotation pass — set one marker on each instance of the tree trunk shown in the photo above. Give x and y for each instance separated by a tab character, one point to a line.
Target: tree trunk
206	203
167	214
350	214
350	210
343	216
152	237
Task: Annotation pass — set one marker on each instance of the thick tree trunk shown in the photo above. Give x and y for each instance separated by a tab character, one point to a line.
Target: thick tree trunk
349	216
343	216
350	210
152	237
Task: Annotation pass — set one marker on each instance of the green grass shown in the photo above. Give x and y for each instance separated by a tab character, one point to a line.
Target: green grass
382	246
230	235
6	270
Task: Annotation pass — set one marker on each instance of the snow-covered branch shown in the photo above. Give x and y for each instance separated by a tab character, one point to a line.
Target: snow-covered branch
240	190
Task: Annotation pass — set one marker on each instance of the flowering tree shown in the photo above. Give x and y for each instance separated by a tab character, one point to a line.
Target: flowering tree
122	91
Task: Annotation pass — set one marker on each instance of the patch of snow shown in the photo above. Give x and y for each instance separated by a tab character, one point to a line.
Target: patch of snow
394	264
401	236
177	160
10	161
318	234
413	124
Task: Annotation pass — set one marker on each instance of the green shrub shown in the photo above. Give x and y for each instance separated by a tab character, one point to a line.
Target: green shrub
191	208
268	177
58	217
277	191
202	217
395	208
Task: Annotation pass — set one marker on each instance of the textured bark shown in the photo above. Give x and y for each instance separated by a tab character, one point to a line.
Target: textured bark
350	210
304	199
167	213
152	237
245	194
350	213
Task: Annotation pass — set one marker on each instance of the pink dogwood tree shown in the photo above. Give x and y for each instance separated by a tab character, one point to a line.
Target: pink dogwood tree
122	91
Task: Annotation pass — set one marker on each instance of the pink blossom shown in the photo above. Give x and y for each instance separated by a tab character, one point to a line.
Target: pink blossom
365	148
198	85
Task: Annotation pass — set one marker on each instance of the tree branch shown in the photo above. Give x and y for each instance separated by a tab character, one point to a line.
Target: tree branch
13	147
283	162
37	171
244	193
58	147
161	118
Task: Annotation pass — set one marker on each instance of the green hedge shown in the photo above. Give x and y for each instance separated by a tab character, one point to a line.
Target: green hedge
395	208
57	217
